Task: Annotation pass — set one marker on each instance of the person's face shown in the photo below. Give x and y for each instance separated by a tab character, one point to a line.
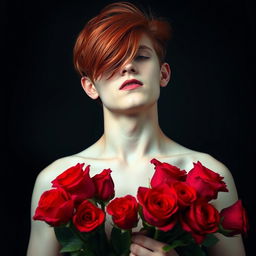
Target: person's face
145	68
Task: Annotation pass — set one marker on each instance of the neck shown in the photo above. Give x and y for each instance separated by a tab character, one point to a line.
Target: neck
132	136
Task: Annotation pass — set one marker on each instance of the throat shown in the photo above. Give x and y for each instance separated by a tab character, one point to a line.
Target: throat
132	137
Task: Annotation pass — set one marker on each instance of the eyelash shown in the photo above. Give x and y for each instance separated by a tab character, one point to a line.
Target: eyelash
141	57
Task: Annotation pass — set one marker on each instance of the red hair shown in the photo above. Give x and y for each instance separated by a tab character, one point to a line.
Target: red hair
110	40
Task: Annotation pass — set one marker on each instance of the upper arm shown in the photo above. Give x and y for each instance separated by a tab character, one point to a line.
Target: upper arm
226	246
42	240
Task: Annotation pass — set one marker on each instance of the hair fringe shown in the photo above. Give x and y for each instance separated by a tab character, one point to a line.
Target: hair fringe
110	40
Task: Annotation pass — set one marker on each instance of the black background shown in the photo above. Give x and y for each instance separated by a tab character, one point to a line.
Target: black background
208	106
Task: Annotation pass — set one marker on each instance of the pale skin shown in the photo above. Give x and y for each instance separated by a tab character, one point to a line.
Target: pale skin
132	137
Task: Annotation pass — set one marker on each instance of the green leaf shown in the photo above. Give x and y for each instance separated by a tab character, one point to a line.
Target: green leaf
174	244
190	250
64	235
74	245
120	241
223	231
68	240
141	212
210	240
186	238
174	234
99	242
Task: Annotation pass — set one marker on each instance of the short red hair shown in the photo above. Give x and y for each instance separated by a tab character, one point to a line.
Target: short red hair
110	40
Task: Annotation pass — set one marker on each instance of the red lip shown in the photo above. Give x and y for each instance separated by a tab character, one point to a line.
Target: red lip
130	82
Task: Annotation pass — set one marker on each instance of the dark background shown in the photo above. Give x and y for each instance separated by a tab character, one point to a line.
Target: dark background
208	106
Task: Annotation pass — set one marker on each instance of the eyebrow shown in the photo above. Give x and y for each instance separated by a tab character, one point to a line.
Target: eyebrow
144	47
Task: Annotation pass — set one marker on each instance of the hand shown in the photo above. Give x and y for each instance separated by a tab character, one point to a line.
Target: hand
145	246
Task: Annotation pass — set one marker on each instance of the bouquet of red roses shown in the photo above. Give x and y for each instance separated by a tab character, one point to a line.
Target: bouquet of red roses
175	209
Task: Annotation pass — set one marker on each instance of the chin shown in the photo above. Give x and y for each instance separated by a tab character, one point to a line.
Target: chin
134	104
138	108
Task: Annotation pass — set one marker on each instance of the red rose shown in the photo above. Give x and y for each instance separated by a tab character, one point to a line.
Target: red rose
88	217
77	182
185	193
124	211
200	219
206	182
104	185
166	173
55	207
159	204
235	218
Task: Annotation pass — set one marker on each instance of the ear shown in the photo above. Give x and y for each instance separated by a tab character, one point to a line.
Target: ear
165	74
89	88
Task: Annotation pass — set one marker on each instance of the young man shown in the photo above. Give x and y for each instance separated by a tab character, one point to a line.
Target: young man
120	55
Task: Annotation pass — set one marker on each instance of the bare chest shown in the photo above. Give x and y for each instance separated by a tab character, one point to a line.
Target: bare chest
128	179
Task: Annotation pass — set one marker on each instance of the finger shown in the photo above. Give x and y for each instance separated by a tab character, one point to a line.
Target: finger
131	254
137	249
148	243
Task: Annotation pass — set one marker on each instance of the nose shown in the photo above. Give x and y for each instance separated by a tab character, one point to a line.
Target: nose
129	68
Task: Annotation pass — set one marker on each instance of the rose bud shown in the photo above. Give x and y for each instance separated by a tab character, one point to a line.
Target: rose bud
124	211
104	185
55	207
200	219
166	173
77	182
88	217
159	205
206	182
235	219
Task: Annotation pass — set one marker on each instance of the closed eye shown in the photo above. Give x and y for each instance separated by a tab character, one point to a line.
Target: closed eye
141	57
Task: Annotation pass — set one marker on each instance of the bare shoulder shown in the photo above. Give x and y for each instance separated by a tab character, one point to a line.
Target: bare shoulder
44	178
190	156
50	172
224	199
212	163
226	245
